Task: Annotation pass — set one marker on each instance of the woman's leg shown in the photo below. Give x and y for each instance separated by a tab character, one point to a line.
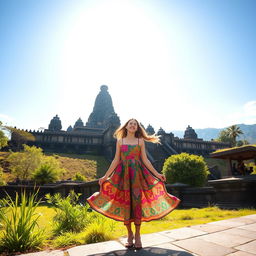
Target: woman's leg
138	244
130	237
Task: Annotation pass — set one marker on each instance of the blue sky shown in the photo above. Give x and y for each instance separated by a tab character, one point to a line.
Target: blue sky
168	63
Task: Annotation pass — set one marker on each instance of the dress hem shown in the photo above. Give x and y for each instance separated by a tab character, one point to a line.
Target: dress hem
177	202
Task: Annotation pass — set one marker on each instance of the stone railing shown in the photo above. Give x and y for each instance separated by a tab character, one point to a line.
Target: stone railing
225	193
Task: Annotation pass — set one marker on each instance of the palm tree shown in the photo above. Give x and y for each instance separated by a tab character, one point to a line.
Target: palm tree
233	132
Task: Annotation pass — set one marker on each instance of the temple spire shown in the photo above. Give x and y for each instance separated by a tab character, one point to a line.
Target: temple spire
55	124
103	110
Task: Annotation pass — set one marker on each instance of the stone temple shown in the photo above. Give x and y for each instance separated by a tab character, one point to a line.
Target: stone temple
96	136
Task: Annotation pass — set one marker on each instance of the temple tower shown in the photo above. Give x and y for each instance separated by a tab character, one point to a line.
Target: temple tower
55	124
190	133
79	123
103	111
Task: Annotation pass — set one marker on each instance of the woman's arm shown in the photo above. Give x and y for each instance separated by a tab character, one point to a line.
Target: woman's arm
147	162
113	165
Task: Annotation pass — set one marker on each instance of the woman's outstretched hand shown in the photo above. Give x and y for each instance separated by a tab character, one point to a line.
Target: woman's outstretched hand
102	180
161	177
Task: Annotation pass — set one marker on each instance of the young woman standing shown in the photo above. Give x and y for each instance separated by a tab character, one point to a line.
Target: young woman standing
132	190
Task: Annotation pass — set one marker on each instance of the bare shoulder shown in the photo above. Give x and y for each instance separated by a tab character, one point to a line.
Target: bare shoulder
119	142
141	141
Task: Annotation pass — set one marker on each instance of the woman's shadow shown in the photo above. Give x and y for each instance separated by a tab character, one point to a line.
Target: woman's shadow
147	251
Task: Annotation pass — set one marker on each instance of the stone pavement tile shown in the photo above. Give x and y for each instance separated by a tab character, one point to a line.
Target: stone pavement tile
252	216
251	227
166	249
100	254
241	232
154	239
209	228
203	248
243	220
172	249
182	233
45	253
249	247
227	223
97	248
225	239
150	239
240	253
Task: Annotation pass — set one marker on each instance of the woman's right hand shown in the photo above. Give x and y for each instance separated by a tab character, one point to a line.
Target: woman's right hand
102	180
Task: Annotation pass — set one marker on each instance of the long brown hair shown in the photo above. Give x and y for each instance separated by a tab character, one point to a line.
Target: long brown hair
121	132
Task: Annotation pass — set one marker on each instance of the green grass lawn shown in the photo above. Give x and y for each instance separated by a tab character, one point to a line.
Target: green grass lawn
176	219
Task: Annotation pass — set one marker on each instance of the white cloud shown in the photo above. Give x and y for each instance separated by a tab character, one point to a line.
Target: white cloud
246	115
249	109
5	119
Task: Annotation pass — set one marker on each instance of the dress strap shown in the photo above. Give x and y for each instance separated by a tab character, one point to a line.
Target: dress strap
122	141
138	141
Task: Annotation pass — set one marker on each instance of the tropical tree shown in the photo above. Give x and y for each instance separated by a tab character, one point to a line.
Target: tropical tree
3	138
23	164
233	132
230	134
224	137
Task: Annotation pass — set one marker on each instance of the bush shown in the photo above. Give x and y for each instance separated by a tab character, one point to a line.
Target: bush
100	229
3	138
46	174
186	168
67	239
249	165
49	171
96	234
19	222
79	177
70	216
2	180
23	164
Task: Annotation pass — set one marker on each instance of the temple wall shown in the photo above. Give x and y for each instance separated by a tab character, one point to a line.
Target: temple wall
101	142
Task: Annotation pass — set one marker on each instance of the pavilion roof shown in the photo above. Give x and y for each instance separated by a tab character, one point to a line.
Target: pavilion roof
237	153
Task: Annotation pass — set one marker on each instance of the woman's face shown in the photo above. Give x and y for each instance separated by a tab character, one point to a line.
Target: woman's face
132	126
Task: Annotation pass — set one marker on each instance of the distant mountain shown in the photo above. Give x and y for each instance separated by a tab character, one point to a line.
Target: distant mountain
212	133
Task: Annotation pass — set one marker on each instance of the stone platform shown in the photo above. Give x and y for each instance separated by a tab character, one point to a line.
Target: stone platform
232	237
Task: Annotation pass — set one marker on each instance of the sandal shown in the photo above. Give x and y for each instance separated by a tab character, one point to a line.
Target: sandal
129	243
138	244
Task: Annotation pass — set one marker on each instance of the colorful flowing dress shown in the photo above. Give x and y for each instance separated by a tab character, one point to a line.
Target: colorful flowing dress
132	193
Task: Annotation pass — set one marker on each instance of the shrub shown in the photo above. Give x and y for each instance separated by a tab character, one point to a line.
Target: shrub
49	171
96	234
3	138
186	168
45	174
79	177
100	229
19	222
70	216
22	164
67	239
2	180
249	165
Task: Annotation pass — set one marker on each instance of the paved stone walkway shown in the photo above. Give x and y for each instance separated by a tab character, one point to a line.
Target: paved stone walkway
232	237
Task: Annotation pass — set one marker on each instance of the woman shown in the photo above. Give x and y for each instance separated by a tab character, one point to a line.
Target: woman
132	190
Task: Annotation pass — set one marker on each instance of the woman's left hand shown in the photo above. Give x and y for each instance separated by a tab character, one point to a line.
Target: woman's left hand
161	177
